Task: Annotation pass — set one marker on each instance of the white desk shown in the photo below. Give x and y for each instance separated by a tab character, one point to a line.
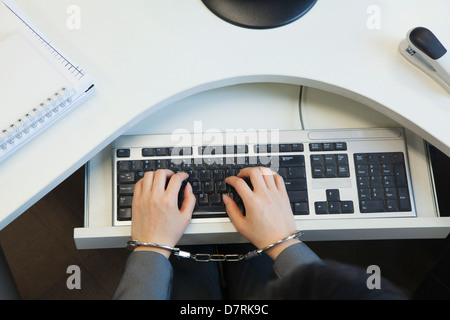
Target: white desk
145	55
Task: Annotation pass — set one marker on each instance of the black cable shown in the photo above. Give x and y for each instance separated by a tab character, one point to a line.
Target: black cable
300	108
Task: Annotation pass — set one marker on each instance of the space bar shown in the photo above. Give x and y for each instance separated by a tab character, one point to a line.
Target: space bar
209	212
213	209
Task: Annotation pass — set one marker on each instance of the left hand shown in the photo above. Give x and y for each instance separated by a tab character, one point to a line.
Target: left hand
156	216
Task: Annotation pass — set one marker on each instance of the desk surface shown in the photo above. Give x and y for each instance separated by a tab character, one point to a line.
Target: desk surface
145	55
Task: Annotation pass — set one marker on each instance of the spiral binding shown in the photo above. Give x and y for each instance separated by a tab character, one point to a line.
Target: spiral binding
36	118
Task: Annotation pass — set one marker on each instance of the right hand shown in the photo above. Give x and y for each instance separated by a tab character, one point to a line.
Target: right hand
269	216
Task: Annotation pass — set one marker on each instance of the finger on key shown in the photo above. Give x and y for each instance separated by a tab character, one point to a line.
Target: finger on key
160	179
268	176
256	177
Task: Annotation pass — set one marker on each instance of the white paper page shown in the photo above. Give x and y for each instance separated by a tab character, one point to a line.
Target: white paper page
27	79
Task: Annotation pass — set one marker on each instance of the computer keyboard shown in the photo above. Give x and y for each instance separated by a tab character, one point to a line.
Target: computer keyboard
328	174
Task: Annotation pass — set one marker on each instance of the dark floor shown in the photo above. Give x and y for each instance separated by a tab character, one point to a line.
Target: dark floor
39	247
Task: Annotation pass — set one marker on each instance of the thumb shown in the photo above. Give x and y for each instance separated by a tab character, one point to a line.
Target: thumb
236	216
188	205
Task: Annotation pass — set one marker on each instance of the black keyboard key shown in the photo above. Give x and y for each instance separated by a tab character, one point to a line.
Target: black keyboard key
285	148
196	187
241	149
387	169
372	158
123	166
205	175
391	205
365	194
318	172
295	173
297	147
160	152
301	208
372	206
388	181
343	172
377	194
148	152
384	158
136	165
333	195
186	151
347	207
360	158
403	199
342	159
363	182
329	159
317	160
139	175
160	164
125	201
216	199
283	172
397	158
126	177
376	181
315	147
240	162
148	165
126	189
340	146
327	146
193	175
297	196
295	184
321	207
330	171
124	214
400	175
362	170
221	186
208	187
230	172
218	174
373	170
334	207
292	161
123	153
203	199
390	193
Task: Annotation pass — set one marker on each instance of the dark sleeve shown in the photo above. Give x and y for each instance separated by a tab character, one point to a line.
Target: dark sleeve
291	258
147	276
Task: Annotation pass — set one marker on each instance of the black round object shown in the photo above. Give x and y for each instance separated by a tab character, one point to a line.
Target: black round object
259	14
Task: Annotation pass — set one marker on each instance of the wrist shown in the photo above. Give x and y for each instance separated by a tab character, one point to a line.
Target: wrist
276	250
164	252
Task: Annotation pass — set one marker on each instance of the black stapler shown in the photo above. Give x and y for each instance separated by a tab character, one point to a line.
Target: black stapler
423	49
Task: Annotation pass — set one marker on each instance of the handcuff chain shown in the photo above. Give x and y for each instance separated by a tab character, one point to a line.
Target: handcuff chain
206	257
214	257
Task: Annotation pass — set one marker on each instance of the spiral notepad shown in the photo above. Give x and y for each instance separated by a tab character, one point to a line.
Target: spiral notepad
38	83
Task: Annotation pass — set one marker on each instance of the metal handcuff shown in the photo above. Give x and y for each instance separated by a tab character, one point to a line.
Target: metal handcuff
207	257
